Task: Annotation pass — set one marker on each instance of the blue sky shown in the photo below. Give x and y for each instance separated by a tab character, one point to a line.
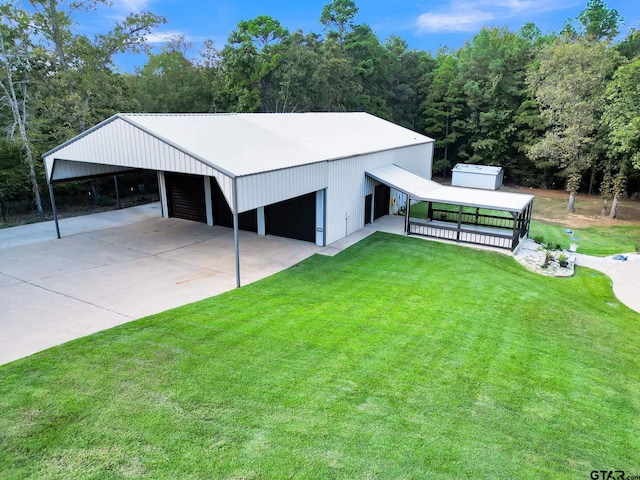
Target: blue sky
424	24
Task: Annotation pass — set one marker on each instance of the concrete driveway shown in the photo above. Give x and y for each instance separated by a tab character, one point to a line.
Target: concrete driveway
625	276
113	267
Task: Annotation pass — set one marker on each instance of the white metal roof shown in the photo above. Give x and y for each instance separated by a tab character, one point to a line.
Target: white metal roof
404	181
477	169
248	143
419	188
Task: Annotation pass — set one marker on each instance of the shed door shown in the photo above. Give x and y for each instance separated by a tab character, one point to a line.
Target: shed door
293	218
383	196
185	197
222	213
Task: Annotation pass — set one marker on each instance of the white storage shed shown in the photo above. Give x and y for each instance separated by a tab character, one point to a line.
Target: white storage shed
477	176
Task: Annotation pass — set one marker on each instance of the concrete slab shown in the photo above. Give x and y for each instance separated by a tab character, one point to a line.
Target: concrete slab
158	235
6	280
43	231
625	275
59	257
140	287
259	256
131	266
35	319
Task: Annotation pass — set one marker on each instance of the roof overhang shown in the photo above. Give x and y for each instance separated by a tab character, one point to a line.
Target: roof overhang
476	169
419	188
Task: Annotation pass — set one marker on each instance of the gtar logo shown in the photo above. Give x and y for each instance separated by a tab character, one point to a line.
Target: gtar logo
607	475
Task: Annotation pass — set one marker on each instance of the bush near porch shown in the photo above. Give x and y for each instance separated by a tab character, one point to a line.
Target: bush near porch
397	358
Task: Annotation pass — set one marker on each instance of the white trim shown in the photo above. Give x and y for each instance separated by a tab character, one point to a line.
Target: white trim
162	189
208	201
262	225
320	223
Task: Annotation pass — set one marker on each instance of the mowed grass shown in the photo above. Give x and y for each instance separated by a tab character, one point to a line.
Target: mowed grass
398	358
421	210
600	241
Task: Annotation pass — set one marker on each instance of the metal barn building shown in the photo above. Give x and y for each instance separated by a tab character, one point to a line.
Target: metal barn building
477	176
298	175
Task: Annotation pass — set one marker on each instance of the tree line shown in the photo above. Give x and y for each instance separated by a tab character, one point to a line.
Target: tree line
556	110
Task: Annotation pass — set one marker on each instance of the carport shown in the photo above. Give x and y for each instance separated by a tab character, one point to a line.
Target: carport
481	217
299	176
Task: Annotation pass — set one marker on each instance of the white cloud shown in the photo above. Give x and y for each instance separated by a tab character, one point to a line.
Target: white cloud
131	6
465	16
164	37
460	21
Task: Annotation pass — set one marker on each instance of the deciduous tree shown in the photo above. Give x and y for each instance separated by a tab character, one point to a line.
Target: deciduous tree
622	116
569	84
15	53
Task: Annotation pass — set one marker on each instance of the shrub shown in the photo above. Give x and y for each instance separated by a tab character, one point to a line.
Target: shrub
539	239
553	246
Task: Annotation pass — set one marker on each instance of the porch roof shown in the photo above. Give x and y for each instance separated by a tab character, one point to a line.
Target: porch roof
419	188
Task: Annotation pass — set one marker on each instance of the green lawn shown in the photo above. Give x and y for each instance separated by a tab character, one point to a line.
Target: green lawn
420	210
592	241
397	358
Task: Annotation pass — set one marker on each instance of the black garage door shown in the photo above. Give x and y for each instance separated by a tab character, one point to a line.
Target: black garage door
293	218
383	195
222	213
185	197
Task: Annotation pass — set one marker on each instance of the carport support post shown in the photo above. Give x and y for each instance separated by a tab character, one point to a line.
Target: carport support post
53	208
115	181
236	241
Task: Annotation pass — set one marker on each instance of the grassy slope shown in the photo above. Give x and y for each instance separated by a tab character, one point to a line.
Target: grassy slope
592	241
397	358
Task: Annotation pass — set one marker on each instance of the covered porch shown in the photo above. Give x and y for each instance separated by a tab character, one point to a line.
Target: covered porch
466	215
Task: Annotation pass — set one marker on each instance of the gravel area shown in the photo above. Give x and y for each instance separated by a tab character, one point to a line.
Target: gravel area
531	256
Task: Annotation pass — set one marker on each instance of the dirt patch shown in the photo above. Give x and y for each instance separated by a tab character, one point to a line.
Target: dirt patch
551	206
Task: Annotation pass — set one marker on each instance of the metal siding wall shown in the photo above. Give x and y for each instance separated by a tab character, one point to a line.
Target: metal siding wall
85	169
271	187
473	180
348	185
121	144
